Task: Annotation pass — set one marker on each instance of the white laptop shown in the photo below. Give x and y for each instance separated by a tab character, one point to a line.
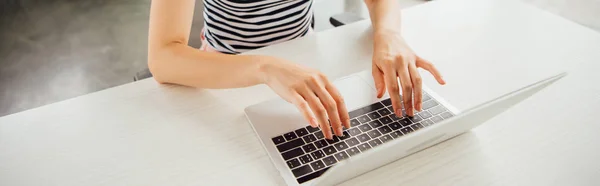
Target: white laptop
376	138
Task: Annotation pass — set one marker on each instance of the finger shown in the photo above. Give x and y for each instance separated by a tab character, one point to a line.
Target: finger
341	104
407	88
424	64
330	106
417	83
303	107
319	111
379	82
391	83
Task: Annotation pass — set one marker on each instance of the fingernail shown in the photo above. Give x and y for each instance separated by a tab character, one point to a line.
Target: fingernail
399	112
313	123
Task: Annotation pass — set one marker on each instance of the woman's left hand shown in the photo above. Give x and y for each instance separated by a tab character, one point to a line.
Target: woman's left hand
392	59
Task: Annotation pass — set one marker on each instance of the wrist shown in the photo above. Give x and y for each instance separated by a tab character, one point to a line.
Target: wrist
263	64
386	31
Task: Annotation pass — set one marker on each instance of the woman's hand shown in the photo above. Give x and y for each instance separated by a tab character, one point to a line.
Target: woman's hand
310	91
392	59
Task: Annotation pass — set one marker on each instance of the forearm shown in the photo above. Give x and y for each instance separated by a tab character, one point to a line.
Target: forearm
180	64
384	14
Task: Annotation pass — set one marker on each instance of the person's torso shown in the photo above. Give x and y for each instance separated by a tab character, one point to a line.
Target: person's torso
234	26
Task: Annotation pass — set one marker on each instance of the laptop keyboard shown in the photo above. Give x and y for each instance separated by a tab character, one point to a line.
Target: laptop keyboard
308	154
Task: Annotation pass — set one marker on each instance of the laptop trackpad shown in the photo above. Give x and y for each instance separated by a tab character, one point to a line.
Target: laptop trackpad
356	91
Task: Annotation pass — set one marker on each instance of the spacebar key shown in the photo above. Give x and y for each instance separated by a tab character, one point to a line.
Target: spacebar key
364	110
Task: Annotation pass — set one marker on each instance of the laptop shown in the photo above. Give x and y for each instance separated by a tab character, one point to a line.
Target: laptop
376	137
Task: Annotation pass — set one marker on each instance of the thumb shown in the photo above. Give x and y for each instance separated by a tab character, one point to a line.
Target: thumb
379	83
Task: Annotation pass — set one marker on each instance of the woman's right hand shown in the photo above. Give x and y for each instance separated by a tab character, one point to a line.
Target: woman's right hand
310	91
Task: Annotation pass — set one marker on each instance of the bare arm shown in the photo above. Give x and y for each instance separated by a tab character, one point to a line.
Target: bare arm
385	15
171	60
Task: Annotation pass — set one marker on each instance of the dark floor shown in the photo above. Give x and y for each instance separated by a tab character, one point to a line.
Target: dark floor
52	50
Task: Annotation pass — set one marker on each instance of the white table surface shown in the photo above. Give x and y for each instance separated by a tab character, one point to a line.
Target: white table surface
144	133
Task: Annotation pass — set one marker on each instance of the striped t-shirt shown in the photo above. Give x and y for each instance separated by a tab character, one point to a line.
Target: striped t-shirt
234	26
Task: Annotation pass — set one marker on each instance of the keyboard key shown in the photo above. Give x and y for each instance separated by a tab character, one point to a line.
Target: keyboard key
290	145
302	170
384	112
374	134
354	131
384	129
436	110
436	119
375	124
352	151
424	114
341	146
345	136
405	122
329	150
416	118
293	163
417	126
352	142
363	147
301	132
386	138
374	142
426	122
321	143
330	160
394	117
364	110
363	138
446	115
395	126
341	156
364	128
387	102
363	119
426	97
318	154
317	165
311	129
428	104
309	138
311	176
309	148
406	130
385	120
278	140
305	159
354	123
374	115
319	135
396	134
290	136
292	153
333	140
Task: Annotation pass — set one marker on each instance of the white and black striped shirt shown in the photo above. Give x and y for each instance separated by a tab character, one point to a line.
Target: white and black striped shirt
234	26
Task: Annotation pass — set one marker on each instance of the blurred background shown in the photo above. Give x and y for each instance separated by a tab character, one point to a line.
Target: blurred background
53	50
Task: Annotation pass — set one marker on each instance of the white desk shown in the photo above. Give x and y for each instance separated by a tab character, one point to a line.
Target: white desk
143	133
